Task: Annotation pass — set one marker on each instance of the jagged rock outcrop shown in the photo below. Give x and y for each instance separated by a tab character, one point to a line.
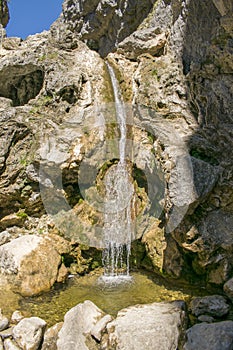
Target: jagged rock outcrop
46	79
4	13
102	24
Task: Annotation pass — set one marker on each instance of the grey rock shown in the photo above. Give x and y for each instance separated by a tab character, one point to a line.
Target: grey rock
149	40
213	336
12	254
51	336
214	305
9	344
104	23
213	234
11	43
142	326
7	333
5	103
51	83
28	333
23	259
4	237
16	317
4	13
191	181
4	322
1	344
228	288
205	318
78	322
205	176
100	326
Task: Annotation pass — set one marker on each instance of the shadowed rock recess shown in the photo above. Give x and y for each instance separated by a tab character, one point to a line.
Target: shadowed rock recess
173	60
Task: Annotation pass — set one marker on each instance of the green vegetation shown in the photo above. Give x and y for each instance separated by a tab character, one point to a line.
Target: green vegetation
154	74
222	38
151	137
48	56
112	130
199	154
21	214
24	162
43	101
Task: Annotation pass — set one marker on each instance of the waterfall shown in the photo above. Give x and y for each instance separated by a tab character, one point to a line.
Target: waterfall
118	227
120	113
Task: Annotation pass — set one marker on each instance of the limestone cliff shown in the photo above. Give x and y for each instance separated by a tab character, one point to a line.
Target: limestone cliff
102	24
173	60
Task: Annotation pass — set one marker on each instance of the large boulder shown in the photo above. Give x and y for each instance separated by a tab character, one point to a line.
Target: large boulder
51	336
228	288
31	263
10	344
4	322
29	332
1	344
214	305
146	326
213	336
78	323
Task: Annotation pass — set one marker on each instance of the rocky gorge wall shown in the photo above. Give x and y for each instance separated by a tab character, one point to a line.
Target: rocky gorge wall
173	60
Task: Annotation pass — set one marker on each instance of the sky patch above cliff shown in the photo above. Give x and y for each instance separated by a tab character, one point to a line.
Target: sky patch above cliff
29	17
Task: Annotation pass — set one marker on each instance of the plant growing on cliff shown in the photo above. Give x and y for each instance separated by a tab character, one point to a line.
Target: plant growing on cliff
21	214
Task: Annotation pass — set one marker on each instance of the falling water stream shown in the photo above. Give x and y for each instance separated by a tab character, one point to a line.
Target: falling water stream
118	226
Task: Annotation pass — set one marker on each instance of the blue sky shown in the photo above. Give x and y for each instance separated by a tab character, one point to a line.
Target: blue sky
32	16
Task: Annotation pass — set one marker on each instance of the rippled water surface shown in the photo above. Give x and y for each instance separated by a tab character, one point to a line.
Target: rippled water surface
109	296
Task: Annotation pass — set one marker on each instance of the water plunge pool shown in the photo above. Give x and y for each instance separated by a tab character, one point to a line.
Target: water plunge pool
142	288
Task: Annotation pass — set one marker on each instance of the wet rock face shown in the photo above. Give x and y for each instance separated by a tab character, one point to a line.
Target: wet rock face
103	24
4	13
